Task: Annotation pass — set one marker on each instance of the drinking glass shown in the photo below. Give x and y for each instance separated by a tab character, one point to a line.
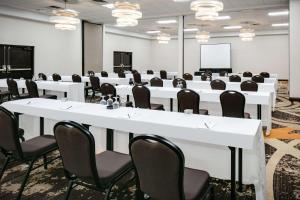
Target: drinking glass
110	101
102	101
116	103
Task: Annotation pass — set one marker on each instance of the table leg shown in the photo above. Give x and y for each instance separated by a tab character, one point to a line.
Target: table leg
171	104
130	136
258	111
65	95
41	126
233	187
127	98
23	90
240	189
17	118
109	139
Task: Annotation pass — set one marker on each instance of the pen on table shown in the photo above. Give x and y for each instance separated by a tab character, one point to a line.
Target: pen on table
206	125
69	107
29	102
128	116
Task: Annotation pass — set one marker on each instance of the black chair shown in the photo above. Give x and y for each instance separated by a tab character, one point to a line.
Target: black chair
233	104
235	78
258	79
4	94
142	96
42	76
104	74
134	71
138	79
14	90
218	84
27	152
108	89
187	77
163	74
77	79
208	73
82	166
95	83
150	71
121	74
250	86
91	73
265	74
56	77
189	99
177	81
222	73
204	77
161	173
34	92
156	82
247	74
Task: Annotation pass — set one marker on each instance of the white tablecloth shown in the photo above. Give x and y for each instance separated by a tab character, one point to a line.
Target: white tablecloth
204	148
75	91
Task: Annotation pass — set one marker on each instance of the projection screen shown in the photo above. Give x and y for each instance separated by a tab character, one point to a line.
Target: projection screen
215	56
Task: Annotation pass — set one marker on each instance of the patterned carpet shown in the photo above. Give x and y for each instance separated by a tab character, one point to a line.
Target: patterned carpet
282	156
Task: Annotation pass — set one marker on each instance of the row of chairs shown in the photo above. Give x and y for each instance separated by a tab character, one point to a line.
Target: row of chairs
158	164
224	73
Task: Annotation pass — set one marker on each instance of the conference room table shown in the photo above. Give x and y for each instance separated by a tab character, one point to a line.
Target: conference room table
262	87
241	74
70	90
203	139
258	104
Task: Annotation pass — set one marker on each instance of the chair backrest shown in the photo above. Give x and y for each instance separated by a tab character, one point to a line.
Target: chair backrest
42	76
134	71
203	77
233	104
104	74
188	77
159	166
249	86
137	78
76	78
107	88
13	87
56	77
258	79
265	74
141	95
163	74
9	139
247	74
32	89
235	78
222	73
121	74
218	84
91	73
188	99
150	71
208	72
179	80
80	162
95	82
156	82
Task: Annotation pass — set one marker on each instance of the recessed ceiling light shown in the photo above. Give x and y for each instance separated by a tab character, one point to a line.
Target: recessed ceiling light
232	27
190	29
181	0
171	21
152	32
281	24
223	17
279	13
109	5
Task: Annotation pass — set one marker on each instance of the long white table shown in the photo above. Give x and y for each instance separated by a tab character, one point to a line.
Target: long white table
199	142
241	74
73	91
262	101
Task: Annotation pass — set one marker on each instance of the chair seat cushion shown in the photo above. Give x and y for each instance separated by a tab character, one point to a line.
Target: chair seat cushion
111	164
38	146
203	112
247	115
87	87
48	96
157	106
195	183
4	93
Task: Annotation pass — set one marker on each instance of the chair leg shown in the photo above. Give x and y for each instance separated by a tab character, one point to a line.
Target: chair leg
45	162
107	194
139	195
4	167
25	180
212	193
70	187
93	96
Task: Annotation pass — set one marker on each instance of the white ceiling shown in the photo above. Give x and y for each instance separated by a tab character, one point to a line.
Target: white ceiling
240	10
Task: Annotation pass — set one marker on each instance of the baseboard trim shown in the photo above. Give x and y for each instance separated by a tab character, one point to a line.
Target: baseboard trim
283	79
294	99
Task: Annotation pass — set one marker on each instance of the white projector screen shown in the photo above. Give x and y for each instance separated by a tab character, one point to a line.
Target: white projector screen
215	56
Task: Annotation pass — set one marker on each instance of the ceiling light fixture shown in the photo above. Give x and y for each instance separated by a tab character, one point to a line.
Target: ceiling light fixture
202	36
65	19
109	5
279	13
180	1
153	32
190	29
247	34
171	21
232	27
163	38
127	14
224	17
207	9
280	25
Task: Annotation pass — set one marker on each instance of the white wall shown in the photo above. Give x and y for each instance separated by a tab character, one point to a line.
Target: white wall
55	50
294	49
140	48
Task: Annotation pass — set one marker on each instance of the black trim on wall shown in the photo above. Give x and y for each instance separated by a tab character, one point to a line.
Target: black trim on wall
183	46
82	46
